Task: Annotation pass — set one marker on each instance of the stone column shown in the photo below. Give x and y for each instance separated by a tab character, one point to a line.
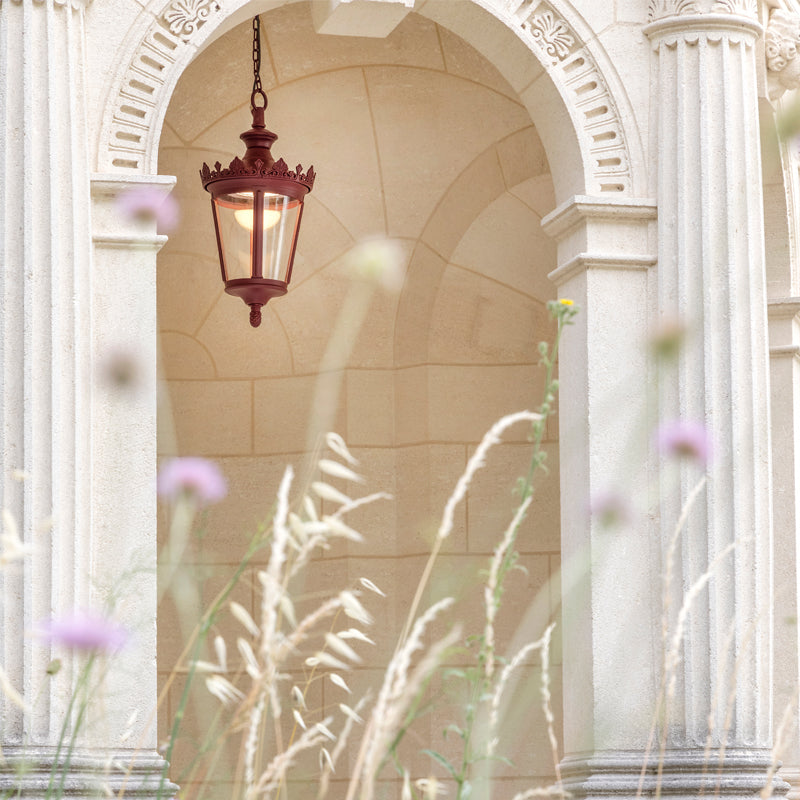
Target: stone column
782	190
610	577
51	406
711	277
784	326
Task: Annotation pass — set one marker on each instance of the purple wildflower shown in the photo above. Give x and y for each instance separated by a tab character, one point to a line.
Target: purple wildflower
684	439
84	630
121	369
145	203
609	508
197	477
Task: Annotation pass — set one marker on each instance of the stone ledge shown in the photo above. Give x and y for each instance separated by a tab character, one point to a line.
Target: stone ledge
26	772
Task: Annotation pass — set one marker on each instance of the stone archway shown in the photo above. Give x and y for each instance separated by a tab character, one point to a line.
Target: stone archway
586	121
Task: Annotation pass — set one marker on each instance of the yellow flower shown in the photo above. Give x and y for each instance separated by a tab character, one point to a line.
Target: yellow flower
565	302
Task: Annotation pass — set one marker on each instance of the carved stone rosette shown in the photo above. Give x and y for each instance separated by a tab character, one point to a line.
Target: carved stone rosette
782	40
184	17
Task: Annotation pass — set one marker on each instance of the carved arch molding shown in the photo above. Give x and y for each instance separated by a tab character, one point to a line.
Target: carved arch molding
132	122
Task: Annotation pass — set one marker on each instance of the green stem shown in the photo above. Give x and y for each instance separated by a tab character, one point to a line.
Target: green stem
546	409
478	688
204	626
80	688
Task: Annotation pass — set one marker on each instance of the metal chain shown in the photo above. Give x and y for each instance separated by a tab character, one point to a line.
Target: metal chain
257	90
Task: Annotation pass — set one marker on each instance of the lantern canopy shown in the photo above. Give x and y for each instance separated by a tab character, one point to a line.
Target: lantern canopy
257	204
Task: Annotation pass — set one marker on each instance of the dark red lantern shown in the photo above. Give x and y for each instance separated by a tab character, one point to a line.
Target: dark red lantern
257	204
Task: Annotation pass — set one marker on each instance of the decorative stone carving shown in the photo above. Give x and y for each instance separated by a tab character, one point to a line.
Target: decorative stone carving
665	8
658	9
746	7
184	17
783	61
553	34
572	67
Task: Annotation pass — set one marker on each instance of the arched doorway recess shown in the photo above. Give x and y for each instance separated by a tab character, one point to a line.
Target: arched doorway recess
392	123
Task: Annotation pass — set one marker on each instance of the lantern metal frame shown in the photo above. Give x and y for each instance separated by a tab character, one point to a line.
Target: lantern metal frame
257	173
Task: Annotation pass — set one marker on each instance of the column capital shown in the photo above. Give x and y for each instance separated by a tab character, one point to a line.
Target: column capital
583	207
712	26
110	229
690	19
661	9
783	308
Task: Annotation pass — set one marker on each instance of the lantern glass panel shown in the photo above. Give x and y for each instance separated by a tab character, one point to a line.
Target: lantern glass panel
235	221
281	219
234	238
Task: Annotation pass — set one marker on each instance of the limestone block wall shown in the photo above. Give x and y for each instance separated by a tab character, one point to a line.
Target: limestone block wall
418	138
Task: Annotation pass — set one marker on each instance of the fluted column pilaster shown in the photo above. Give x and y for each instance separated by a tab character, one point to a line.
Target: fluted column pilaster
711	276
79	499
45	312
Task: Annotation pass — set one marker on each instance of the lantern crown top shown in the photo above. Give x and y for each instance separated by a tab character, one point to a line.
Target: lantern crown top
259	169
258	162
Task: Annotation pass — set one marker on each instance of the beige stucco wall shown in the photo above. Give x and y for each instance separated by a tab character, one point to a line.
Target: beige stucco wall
419	138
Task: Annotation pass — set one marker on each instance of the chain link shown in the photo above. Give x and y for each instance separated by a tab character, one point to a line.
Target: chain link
257	90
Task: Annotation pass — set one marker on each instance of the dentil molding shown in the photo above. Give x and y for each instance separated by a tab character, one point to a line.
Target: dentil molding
128	127
573	68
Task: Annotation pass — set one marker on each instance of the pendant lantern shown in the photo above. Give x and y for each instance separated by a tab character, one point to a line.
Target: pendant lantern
257	204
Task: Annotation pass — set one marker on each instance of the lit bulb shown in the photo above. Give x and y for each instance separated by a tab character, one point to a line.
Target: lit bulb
245	218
